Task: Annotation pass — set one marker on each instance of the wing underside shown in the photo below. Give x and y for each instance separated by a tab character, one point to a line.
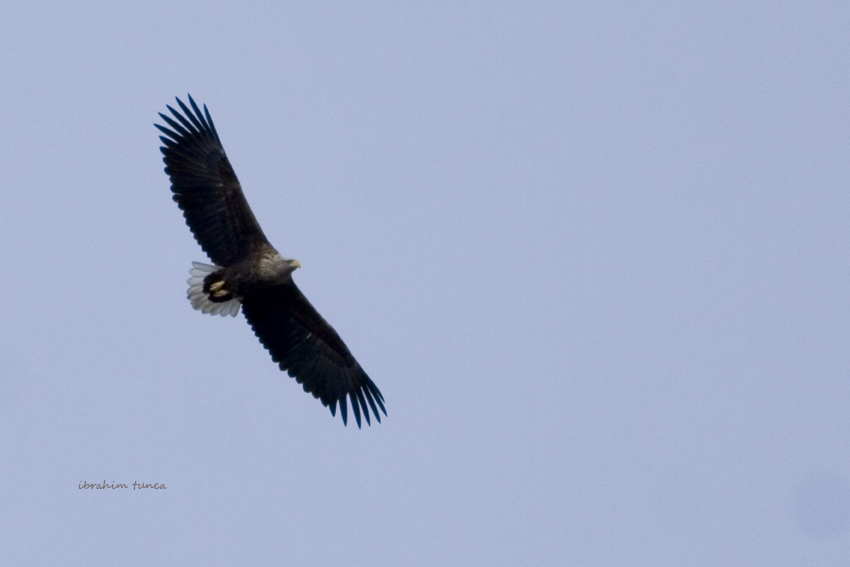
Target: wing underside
206	188
310	350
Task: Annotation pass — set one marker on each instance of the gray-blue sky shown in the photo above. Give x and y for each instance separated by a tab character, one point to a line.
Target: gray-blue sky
595	257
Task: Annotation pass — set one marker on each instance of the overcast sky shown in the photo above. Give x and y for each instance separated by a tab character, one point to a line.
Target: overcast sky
594	254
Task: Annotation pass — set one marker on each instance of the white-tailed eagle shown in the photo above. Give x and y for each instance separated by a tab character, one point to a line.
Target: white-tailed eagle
249	273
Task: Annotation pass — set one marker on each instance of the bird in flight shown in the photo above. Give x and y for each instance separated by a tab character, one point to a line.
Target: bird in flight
248	273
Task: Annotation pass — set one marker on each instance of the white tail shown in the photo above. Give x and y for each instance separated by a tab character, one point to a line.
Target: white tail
201	300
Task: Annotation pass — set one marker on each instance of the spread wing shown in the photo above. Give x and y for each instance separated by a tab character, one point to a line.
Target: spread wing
309	349
206	188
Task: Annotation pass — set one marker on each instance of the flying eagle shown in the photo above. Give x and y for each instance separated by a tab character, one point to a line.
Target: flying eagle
249	273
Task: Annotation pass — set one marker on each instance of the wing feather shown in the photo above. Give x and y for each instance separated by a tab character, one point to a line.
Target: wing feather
310	350
205	186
